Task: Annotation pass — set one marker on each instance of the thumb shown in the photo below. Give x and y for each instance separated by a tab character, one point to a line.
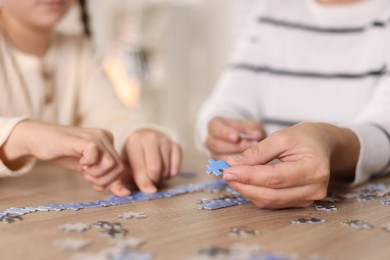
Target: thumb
262	153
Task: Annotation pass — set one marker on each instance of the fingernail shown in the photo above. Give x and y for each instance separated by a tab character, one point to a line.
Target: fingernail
150	189
229	177
124	191
235	158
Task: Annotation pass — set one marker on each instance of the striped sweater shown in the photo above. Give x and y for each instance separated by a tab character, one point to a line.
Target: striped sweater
302	61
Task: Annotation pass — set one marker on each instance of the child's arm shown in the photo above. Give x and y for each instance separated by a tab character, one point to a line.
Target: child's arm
88	151
8	168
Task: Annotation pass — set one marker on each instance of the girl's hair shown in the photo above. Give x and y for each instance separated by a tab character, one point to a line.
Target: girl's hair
85	17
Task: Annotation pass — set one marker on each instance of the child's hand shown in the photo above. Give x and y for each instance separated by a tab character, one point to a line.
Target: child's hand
302	175
224	136
88	151
152	158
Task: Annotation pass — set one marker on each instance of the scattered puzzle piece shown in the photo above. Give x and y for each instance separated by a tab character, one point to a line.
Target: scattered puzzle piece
217	167
325	205
240	251
113	233
109	254
107	225
362	197
308	221
71	244
10	218
74	227
222	202
214	251
110	229
386	227
133	214
130	243
358	224
243	231
131	255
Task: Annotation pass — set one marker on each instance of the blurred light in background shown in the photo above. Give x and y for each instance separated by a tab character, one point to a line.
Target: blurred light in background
126	88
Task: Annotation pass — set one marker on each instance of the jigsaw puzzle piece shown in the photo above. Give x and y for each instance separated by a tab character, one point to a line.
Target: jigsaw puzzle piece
217	167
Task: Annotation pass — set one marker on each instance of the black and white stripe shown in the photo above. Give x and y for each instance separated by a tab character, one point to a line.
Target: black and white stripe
316	29
279	122
309	74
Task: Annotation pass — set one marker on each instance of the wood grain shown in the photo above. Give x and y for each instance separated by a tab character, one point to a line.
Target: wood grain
175	228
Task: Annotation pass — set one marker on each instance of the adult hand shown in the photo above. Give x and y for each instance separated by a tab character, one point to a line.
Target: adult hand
225	136
304	152
88	151
152	157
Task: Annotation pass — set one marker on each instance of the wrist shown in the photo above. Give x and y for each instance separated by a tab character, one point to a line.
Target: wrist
345	149
13	153
15	147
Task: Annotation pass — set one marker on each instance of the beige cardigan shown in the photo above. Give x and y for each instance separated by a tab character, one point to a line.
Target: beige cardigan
83	95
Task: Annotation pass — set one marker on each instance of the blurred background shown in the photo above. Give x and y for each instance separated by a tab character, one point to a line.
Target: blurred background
165	56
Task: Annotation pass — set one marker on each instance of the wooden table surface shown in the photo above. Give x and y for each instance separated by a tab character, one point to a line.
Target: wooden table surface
176	228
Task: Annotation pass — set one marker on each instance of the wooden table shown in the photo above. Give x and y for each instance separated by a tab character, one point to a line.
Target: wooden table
176	228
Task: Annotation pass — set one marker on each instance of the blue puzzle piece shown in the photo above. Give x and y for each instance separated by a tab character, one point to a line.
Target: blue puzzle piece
73	206
17	211
3	213
56	207
93	204
209	186
217	167
215	186
43	208
30	209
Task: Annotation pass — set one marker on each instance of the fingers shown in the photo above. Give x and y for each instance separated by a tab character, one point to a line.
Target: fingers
136	156
98	188
250	130
263	197
176	157
119	189
300	177
71	163
99	161
230	136
220	129
220	146
165	153
279	176
265	151
90	154
154	161
152	158
104	180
